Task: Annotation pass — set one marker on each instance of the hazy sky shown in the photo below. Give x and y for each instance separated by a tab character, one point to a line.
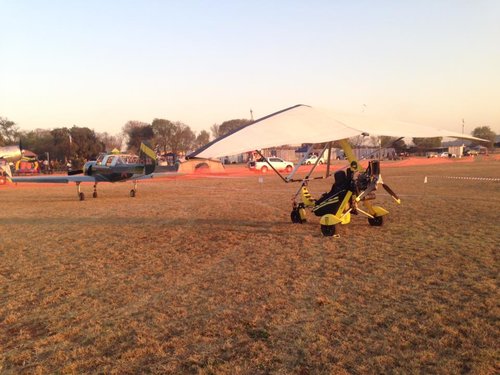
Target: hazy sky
101	63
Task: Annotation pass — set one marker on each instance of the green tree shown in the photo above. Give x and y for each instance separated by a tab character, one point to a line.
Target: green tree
61	143
84	144
427	143
484	132
40	141
181	139
8	131
136	132
110	141
214	129
357	141
202	139
163	130
397	142
228	126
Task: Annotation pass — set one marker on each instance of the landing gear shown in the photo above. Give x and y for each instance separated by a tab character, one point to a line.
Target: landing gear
94	194
134	190
328	230
295	216
81	196
298	214
377	221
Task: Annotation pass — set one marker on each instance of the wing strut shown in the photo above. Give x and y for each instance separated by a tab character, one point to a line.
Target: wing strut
328	160
306	155
307	178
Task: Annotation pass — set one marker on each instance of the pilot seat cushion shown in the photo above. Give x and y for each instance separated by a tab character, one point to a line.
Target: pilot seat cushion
330	202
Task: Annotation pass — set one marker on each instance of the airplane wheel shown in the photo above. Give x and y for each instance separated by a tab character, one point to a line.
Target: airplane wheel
94	195
132	193
377	221
295	216
264	169
328	230
81	196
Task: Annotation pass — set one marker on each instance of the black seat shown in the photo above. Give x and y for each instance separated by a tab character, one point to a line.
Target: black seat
330	202
340	181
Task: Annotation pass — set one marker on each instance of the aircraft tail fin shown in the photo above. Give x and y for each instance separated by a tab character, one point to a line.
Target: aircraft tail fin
148	155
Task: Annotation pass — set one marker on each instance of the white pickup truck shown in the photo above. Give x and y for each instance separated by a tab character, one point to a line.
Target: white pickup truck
262	166
312	159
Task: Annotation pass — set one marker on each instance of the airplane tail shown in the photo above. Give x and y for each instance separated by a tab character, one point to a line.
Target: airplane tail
148	155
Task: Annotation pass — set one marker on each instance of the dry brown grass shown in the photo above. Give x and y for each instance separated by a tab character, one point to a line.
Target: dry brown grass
210	276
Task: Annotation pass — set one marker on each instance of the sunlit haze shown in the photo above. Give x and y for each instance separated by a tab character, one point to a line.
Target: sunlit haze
102	63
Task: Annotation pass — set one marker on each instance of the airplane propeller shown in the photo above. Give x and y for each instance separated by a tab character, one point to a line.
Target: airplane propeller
373	185
391	193
76	171
367	191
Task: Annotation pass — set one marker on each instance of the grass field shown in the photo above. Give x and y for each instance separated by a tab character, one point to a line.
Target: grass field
209	276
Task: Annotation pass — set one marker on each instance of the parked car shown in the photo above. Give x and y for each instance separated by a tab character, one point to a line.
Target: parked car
447	155
312	159
260	165
471	153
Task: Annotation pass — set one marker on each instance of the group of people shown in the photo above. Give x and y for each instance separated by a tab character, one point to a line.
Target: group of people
47	167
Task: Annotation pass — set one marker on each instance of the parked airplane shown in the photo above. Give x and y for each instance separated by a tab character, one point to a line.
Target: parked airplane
107	168
303	124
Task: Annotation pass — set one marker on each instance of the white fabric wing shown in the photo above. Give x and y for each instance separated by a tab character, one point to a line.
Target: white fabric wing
304	124
294	125
394	128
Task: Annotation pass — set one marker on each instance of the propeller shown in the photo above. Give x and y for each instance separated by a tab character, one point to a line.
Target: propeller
76	171
389	190
368	190
373	185
391	193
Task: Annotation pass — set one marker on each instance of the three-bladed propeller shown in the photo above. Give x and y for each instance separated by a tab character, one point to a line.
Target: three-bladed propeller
391	193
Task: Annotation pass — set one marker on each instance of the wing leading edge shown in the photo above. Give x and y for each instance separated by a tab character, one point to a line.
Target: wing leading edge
305	124
54	179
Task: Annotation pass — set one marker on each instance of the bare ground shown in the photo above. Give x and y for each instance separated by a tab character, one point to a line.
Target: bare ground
208	275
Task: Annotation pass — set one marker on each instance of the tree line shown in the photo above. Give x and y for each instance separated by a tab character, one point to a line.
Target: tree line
81	143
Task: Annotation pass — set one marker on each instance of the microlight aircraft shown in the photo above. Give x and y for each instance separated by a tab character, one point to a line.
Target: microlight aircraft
107	168
353	190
